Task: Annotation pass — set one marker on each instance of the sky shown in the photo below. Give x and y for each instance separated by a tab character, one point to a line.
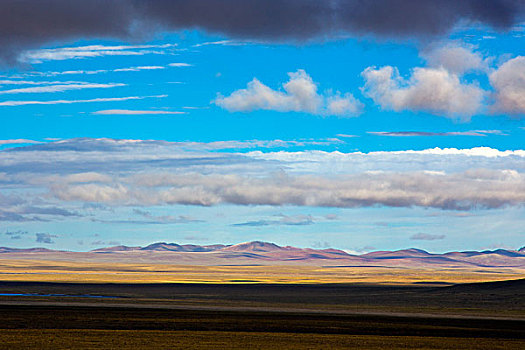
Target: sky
356	125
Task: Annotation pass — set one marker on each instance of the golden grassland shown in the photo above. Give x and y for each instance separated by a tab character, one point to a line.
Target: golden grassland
146	339
106	272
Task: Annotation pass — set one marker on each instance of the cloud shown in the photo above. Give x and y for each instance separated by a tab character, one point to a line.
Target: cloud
508	82
94	100
16	234
55	211
433	90
27	24
97	71
441	88
455	57
473	189
17	211
60	88
134	112
221	43
30	82
104	243
79	52
426	237
299	95
45	238
295	220
143	173
321	245
17	142
343	105
13	216
180	64
472	152
9	216
164	219
426	133
138	69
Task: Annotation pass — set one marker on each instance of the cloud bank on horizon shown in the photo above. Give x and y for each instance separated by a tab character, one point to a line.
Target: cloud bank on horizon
29	24
153	173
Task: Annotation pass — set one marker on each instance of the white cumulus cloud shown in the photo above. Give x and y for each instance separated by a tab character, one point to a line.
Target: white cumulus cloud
299	94
508	82
433	90
456	57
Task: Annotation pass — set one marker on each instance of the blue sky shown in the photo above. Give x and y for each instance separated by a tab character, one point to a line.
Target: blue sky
354	142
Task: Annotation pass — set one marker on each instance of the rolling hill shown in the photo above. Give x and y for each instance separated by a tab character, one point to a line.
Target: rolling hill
264	252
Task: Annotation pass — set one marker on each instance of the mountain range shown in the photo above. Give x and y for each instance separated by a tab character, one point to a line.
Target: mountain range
264	252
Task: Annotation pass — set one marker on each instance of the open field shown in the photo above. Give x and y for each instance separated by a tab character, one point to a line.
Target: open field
262	316
165	300
496	299
144	339
62	327
151	272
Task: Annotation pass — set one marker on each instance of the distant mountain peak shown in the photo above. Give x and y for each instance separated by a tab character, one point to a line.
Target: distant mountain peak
254	246
403	253
266	251
163	246
117	248
174	247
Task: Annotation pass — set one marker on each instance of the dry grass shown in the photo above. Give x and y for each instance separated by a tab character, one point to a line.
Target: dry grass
90	272
140	339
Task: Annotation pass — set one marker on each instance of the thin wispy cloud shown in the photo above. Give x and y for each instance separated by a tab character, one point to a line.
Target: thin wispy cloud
180	64
94	100
18	142
135	112
138	69
91	51
165	219
294	220
221	43
60	88
98	71
38	82
426	237
428	133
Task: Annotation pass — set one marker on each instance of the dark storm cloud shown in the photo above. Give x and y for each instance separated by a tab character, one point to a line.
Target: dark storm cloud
31	23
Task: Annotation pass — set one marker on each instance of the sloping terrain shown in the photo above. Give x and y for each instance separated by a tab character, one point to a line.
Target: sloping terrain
258	252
